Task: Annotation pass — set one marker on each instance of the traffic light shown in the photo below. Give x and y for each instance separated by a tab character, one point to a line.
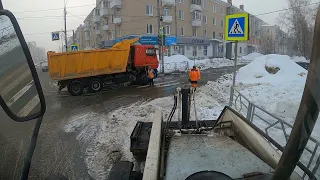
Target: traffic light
160	40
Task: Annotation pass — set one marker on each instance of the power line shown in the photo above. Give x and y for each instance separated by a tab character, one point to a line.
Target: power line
287	9
39	10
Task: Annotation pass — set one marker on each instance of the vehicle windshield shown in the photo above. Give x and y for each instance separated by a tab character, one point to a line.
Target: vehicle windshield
251	55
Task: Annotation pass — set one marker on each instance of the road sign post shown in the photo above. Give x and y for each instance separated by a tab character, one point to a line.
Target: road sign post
237	29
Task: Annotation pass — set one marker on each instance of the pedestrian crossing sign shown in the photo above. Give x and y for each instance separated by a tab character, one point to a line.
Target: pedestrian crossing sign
55	36
237	27
74	47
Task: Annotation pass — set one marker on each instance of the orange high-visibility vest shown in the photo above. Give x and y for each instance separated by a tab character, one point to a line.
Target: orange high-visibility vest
194	74
150	74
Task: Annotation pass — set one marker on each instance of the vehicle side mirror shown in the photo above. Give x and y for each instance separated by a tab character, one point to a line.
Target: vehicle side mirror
21	95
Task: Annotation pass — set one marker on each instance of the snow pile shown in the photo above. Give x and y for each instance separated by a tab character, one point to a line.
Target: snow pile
251	56
299	59
180	63
273	69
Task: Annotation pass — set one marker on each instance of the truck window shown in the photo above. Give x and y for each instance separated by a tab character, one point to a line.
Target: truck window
150	52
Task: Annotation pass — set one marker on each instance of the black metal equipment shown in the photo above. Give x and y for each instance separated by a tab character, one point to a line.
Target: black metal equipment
185	107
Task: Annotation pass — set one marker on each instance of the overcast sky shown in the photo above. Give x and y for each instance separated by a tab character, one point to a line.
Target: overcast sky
38	25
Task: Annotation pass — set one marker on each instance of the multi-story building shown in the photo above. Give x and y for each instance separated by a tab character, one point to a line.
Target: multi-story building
193	27
274	40
79	37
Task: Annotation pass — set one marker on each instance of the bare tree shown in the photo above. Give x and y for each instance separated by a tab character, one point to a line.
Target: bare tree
267	45
298	22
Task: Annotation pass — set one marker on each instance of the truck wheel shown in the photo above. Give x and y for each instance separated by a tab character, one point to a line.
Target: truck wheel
76	88
142	79
95	85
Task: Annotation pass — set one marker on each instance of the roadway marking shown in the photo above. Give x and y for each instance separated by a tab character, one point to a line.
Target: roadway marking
160	86
12	85
20	93
29	106
160	83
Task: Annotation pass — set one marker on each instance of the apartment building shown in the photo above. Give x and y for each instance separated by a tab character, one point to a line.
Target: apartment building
274	40
80	37
193	28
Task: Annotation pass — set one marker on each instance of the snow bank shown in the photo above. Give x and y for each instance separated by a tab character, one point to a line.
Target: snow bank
258	71
181	63
299	59
251	56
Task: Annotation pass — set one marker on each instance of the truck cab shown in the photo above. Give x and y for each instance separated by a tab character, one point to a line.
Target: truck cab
144	56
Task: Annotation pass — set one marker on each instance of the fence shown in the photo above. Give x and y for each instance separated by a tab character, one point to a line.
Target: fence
272	124
176	66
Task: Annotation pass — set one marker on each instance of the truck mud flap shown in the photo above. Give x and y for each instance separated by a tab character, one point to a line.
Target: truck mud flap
121	171
140	140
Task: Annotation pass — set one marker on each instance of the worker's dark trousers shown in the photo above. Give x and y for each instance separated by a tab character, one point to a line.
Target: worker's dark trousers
151	83
194	84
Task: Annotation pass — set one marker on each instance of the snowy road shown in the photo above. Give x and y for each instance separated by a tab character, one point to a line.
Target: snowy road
58	151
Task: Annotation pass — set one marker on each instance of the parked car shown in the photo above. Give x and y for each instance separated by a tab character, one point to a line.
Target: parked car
44	67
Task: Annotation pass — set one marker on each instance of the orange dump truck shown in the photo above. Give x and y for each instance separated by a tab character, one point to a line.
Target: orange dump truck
124	63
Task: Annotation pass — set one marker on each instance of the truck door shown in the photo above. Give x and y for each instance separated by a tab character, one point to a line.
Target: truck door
151	56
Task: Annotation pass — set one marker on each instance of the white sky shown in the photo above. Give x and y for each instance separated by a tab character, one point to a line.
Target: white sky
39	29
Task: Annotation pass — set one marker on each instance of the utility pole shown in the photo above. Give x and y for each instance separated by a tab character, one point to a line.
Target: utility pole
65	26
160	35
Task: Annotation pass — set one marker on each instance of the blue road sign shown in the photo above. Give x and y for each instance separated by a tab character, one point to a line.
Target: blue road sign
55	36
237	27
74	47
150	40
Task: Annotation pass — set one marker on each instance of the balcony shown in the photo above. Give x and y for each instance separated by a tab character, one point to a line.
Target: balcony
87	38
196	23
117	20
104	12
97	32
195	7
105	27
168	2
167	19
96	18
115	4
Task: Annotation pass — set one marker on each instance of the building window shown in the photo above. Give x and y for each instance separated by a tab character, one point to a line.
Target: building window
194	32
213	35
197	2
181	14
112	18
112	35
214	21
205	50
104	4
205	33
107	20
119	33
149	11
196	15
204	4
213	8
221	23
167	30
180	1
221	35
204	19
194	52
181	31
97	12
149	29
222	11
166	12
240	49
181	48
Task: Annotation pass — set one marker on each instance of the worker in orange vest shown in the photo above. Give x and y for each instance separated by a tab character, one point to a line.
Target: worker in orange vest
194	77
150	76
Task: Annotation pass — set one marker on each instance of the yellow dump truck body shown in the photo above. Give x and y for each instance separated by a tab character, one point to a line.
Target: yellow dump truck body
72	65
